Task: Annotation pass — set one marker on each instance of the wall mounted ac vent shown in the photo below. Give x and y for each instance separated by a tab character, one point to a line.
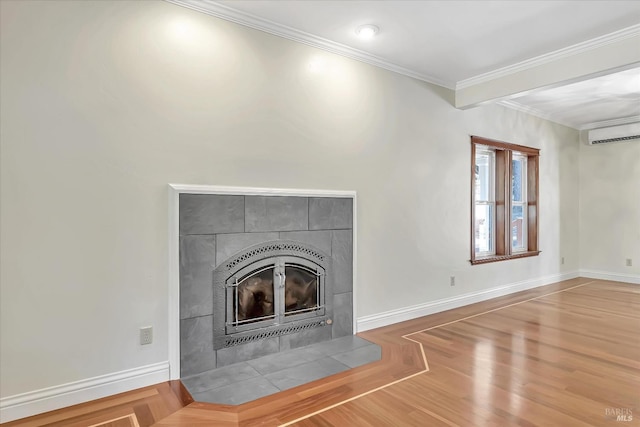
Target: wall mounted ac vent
615	133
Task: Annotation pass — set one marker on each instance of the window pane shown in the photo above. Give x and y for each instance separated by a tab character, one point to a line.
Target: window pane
484	166
518	228
484	229
518	178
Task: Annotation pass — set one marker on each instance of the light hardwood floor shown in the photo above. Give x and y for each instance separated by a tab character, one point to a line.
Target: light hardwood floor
566	354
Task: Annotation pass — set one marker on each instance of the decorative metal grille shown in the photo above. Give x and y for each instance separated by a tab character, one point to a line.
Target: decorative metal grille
230	342
292	247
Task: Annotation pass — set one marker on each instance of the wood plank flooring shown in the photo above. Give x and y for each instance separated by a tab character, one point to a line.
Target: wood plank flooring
566	354
137	408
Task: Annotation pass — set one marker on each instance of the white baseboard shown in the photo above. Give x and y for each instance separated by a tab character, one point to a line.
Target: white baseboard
608	275
394	316
56	397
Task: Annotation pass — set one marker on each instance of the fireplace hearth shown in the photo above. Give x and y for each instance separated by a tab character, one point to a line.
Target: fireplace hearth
262	274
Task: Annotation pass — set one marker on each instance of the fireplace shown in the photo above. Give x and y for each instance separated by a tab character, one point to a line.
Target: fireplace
270	289
261	274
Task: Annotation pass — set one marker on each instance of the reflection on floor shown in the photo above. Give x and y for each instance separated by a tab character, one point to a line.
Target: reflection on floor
242	382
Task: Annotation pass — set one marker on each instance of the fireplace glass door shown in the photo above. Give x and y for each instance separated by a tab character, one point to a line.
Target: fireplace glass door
253	301
301	290
274	291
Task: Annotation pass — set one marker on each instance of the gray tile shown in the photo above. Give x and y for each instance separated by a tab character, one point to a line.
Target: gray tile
211	214
340	345
360	356
196	346
219	377
301	374
287	359
319	239
330	213
229	244
238	393
342	257
305	337
248	351
197	259
342	315
273	213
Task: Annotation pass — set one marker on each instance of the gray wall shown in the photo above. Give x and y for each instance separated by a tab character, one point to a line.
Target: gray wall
104	103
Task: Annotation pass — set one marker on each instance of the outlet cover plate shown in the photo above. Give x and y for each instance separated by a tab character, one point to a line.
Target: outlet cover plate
146	335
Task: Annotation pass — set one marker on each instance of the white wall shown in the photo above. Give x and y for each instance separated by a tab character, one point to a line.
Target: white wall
105	103
610	210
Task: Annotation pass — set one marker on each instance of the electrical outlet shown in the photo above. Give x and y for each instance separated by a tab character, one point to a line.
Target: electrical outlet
452	280
146	335
629	262
562	260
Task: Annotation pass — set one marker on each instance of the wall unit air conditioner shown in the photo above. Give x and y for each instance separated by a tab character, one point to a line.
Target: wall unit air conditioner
614	133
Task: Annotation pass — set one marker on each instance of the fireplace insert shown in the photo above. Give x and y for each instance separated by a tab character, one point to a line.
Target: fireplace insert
270	289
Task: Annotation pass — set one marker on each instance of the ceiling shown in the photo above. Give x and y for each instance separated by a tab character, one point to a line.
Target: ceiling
572	62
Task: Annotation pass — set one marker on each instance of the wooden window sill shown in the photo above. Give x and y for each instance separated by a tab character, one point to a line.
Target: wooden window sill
496	258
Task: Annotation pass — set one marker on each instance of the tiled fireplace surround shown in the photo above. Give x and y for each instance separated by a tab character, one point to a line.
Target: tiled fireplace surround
213	227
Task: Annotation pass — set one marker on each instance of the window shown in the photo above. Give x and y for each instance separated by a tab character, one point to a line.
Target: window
504	201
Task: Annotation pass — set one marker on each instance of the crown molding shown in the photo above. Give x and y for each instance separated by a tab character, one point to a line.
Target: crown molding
233	15
213	8
612	122
588	45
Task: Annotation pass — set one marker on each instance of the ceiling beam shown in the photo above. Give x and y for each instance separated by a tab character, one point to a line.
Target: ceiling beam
607	55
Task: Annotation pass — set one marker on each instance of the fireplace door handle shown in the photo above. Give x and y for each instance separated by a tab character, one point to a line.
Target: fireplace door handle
280	277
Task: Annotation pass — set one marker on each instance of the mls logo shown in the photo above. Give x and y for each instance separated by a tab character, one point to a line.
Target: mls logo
620	414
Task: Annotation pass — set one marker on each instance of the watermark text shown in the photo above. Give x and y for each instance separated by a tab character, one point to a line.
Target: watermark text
619	414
